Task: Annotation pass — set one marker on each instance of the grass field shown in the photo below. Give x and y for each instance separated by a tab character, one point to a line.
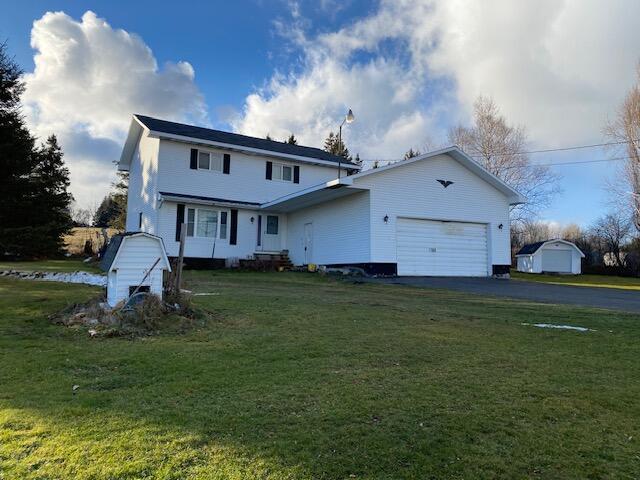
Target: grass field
297	376
63	265
601	281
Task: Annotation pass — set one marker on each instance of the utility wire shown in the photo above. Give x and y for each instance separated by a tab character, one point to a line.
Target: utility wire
546	150
555	164
560	149
577	162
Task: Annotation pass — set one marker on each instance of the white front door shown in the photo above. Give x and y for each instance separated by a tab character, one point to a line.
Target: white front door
437	248
308	243
271	233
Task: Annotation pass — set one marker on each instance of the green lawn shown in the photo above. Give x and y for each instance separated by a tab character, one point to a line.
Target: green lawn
602	281
298	376
62	265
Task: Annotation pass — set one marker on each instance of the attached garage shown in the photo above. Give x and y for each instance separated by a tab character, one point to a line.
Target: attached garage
441	248
553	256
439	214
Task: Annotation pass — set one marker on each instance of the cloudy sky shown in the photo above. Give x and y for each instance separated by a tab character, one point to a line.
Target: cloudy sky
408	69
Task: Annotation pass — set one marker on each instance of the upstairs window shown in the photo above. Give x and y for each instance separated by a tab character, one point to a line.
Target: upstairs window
209	161
282	172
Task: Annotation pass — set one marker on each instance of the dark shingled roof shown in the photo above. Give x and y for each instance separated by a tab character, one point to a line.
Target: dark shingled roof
112	248
209	199
173	128
531	248
110	253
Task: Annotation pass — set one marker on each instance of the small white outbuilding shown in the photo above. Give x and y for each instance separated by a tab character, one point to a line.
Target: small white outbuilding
132	260
553	256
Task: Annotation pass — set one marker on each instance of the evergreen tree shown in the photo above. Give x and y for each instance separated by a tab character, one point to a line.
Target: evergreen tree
411	153
112	212
119	196
17	160
336	146
292	140
34	202
51	212
106	212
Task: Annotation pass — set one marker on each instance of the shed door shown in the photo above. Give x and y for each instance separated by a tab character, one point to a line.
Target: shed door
428	247
556	261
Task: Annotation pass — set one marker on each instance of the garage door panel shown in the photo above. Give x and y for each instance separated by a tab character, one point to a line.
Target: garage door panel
428	247
556	261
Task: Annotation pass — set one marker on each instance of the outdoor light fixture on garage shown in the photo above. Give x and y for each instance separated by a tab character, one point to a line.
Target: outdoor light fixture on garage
386	219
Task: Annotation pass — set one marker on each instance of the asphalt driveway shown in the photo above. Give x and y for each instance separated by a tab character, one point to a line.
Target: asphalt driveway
609	298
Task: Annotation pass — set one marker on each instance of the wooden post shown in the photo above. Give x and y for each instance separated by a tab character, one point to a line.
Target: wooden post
183	232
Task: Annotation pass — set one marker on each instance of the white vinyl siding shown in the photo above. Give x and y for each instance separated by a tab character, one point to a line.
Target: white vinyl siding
412	191
210	247
136	256
245	181
436	248
554	256
340	231
143	187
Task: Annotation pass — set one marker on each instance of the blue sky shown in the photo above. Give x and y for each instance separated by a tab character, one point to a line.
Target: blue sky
408	69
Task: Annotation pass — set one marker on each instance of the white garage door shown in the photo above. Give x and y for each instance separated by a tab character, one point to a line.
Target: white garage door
429	247
556	261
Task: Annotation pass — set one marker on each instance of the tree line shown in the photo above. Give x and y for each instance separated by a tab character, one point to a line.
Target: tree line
34	181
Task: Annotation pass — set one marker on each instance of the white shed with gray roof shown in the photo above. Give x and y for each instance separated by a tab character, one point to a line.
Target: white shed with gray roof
553	256
132	260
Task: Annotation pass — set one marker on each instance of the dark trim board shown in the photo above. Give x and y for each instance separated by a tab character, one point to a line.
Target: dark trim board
377	269
195	263
500	269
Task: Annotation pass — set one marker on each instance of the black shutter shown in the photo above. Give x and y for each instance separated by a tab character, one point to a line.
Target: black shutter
296	174
233	235
269	170
226	163
194	159
179	220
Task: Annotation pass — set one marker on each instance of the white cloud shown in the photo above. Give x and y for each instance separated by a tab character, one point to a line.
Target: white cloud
412	68
88	80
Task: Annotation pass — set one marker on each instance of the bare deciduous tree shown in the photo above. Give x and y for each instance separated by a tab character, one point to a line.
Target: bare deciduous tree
626	128
83	216
613	231
498	147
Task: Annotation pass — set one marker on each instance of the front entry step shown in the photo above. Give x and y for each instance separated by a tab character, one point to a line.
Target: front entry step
269	261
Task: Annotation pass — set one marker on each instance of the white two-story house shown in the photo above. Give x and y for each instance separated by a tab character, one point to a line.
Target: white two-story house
436	214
